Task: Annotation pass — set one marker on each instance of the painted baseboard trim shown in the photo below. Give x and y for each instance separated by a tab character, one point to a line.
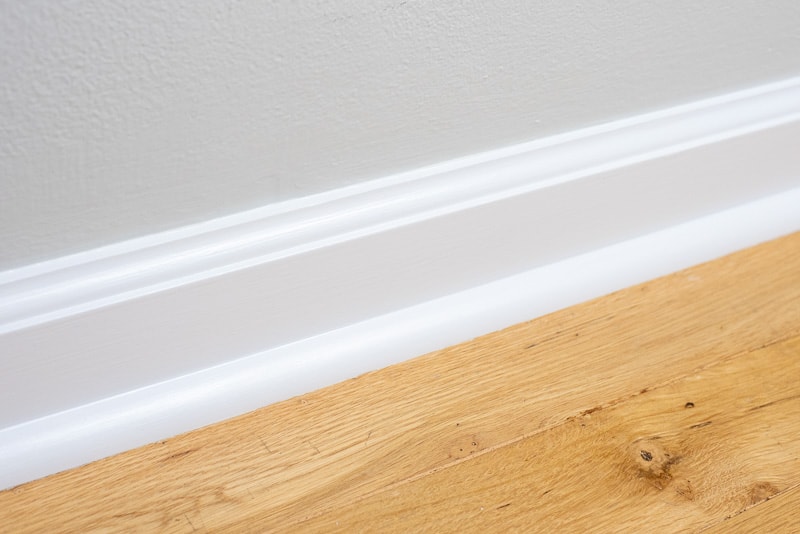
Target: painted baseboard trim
120	346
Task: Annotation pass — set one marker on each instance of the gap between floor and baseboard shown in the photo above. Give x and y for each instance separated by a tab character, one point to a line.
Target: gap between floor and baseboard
128	344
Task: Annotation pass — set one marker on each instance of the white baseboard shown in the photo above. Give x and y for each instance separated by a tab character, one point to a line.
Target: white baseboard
116	347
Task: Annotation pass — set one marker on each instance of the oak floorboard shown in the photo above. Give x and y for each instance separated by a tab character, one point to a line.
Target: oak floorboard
675	459
777	515
276	467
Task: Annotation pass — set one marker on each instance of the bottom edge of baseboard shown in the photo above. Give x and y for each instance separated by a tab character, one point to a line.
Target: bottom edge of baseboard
87	433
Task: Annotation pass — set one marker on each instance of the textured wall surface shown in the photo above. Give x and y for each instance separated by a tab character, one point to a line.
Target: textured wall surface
122	118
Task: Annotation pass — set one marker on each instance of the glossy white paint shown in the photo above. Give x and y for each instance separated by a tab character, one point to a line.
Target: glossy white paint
123	345
119	119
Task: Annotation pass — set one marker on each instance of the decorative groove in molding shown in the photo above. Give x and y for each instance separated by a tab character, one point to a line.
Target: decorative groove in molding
123	345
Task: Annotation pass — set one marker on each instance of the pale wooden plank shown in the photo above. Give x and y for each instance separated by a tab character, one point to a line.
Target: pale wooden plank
777	515
678	458
297	459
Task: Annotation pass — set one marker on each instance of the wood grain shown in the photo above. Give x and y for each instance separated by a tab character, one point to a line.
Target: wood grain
678	458
777	515
286	463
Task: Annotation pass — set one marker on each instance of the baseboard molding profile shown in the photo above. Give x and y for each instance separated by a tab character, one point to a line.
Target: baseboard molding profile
117	347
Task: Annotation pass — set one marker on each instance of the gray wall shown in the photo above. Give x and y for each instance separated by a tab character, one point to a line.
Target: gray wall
123	118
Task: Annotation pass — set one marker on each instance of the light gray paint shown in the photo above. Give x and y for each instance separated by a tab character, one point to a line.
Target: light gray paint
123	118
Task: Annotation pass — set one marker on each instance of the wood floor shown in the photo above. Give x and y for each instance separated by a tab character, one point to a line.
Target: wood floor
672	406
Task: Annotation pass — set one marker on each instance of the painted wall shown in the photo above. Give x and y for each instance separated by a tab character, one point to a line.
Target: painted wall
123	118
